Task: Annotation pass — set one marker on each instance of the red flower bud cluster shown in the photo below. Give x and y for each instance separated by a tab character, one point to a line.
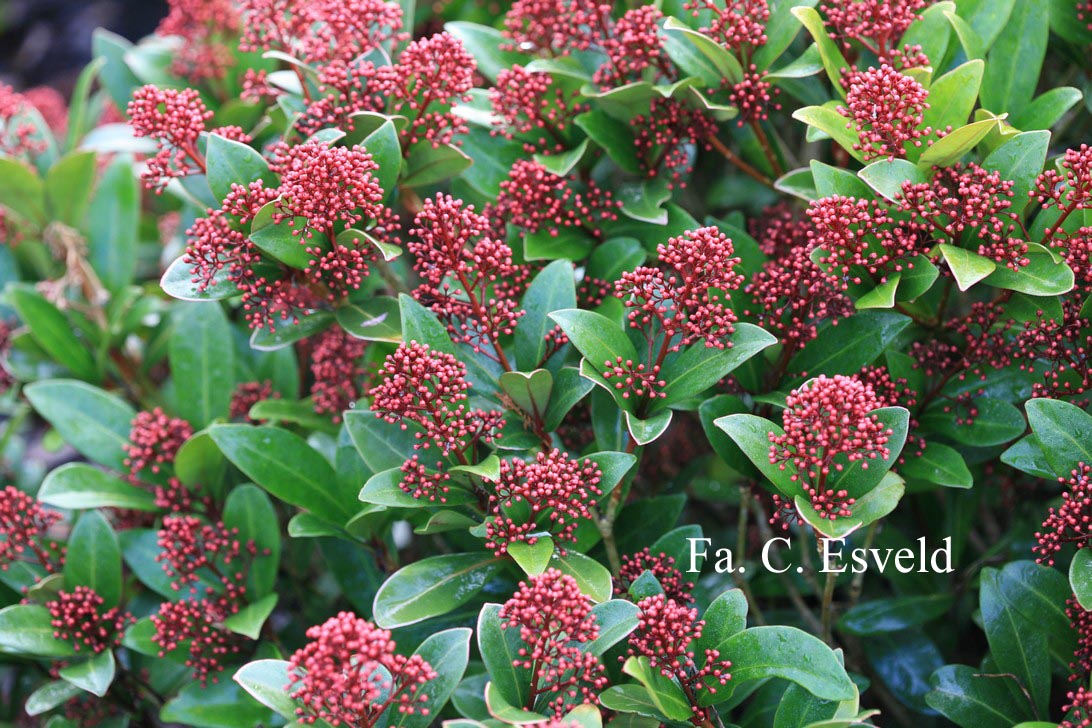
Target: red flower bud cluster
248	394
686	297
754	96
174	120
552	494
895	392
154	440
19	137
78	618
633	379
967	197
1081	621
665	631
828	425
740	25
190	545
205	26
1071	522
349	674
860	234
533	108
1063	345
886	110
319	31
338	372
470	281
427	387
1078	709
876	24
664	135
534	199
662	567
199	625
327	185
23	526
632	45
555	624
555	27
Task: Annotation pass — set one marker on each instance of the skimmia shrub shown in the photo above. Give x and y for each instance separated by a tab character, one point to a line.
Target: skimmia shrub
552	363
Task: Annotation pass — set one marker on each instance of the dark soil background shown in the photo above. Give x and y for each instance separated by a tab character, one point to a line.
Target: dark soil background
47	42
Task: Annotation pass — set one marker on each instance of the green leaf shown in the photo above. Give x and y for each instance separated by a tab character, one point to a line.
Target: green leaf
52	330
563	163
282	241
952	96
1044	275
553	289
68	186
996	423
79	486
230	162
499	648
1064	432
49	696
952	147
27	629
448	652
427	165
631	699
790	654
217	705
505	712
645	431
532	559
177	282
613	465
113	230
381	445
699	367
986	17
376	319
833	124
249	509
93	558
895	614
886	176
853	343
882	296
592	577
202	357
266	681
1020	159
598	339
140	549
833	61
938	464
530	392
1080	577
1027	456
286	467
616	619
1016	57
384	489
613	136
877	503
1047	109
288	331
485	43
1017	647
666	694
386	151
752	435
781	29
568	389
432	586
712	63
93	675
248	621
967	267
831	181
89	419
971	699
22	190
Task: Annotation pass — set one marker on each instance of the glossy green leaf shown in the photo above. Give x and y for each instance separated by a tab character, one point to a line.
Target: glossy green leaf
53	331
27	629
93	675
202	357
93	558
78	486
1064	432
431	587
230	162
552	289
266	680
